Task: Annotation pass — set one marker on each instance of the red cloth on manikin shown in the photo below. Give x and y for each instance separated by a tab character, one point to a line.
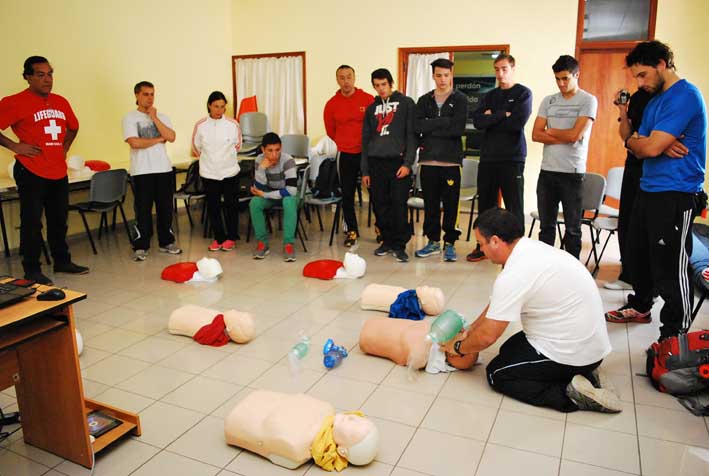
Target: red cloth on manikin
322	268
179	272
97	165
213	334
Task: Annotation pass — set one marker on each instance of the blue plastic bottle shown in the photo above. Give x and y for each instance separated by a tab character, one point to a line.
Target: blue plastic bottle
333	354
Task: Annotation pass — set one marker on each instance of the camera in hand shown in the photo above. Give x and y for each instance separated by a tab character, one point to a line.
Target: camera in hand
623	96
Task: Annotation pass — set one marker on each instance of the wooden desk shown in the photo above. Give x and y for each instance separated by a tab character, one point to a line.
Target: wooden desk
38	355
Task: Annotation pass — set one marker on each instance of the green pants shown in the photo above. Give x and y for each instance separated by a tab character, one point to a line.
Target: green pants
290	217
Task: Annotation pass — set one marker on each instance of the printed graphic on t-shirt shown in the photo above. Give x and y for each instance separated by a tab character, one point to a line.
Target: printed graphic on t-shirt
148	130
53	130
385	115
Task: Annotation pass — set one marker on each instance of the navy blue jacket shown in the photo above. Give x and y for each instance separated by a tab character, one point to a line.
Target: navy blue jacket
503	138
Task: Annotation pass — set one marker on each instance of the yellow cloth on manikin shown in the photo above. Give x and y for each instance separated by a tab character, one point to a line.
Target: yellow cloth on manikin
324	448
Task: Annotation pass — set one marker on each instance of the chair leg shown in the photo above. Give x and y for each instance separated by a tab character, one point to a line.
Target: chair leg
189	214
248	229
531	228
125	222
369	210
335	221
470	219
88	232
598	261
298	225
359	193
113	227
4	231
44	249
699	305
593	251
319	219
561	237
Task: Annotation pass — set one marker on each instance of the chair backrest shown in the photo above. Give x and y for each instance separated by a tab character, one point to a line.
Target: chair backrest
296	145
469	175
253	126
108	186
592	191
614	182
303	184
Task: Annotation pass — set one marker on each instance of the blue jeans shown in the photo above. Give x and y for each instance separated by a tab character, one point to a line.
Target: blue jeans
552	188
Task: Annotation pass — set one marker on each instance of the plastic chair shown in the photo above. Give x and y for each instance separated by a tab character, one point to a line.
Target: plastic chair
592	193
318	203
296	145
106	193
614	183
469	188
254	125
190	191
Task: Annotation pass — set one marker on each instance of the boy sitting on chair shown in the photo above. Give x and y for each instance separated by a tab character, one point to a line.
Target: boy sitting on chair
275	183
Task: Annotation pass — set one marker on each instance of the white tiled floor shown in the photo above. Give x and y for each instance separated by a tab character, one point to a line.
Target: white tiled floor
446	424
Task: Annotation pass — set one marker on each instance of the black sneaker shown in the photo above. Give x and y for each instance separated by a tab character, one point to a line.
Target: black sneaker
401	256
39	278
475	256
383	250
70	268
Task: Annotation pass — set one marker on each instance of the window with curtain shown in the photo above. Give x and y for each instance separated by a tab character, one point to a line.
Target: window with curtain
419	79
277	81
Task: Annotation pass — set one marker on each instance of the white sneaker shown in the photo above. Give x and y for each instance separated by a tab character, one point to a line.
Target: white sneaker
618	285
140	255
171	249
587	397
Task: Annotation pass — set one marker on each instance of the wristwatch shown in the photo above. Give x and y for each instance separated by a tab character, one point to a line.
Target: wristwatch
456	348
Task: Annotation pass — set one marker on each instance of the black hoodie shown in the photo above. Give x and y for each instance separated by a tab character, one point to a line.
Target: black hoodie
388	131
442	130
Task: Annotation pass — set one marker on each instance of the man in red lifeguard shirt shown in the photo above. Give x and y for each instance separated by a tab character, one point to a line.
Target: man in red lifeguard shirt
343	115
45	126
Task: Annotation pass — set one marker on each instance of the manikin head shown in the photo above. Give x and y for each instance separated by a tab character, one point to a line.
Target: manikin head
240	326
432	300
357	438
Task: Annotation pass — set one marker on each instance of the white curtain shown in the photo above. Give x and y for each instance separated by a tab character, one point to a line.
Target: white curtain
277	84
419	79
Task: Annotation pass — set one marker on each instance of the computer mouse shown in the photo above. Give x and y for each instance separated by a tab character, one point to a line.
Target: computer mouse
54	294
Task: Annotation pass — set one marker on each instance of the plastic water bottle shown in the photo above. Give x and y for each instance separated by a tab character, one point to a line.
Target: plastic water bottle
333	354
298	353
445	327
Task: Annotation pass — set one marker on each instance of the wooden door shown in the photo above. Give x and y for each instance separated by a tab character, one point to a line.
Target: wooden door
603	72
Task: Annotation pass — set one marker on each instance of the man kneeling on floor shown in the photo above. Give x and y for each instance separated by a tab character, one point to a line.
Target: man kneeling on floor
553	362
275	183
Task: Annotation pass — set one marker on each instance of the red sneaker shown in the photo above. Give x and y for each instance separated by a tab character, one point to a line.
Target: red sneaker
214	246
228	245
628	314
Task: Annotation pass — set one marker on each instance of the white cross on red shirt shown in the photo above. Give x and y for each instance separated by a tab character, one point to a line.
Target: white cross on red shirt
53	129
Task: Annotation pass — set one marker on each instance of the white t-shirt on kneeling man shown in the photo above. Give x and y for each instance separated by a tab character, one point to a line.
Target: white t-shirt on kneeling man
557	301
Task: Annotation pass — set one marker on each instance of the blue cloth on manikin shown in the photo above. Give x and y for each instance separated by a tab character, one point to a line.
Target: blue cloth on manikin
407	306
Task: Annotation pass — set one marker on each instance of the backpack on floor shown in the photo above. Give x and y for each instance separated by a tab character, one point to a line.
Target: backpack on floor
193	182
327	183
680	366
